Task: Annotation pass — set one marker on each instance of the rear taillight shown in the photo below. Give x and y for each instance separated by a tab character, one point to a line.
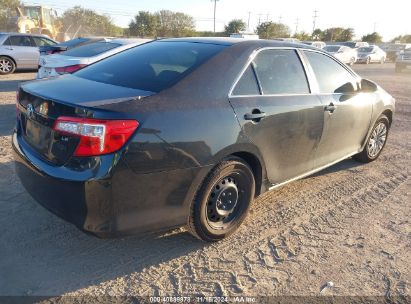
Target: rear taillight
97	136
70	68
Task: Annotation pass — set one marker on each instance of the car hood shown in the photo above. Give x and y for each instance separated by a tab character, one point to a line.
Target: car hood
70	89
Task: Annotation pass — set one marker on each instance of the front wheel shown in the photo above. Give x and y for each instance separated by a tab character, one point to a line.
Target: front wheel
7	65
376	141
222	202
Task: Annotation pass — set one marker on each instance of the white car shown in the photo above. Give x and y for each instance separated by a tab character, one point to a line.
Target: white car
79	57
343	53
371	54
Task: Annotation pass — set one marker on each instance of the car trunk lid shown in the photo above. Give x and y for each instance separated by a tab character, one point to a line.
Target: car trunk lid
38	113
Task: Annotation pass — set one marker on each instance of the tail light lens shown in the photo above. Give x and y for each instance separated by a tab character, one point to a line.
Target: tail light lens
70	68
97	137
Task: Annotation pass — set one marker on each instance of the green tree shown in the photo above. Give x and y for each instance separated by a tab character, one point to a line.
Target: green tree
372	38
8	14
318	35
235	26
271	30
174	24
338	34
402	39
87	22
144	24
302	36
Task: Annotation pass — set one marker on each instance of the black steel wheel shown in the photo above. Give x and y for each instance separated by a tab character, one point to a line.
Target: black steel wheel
222	202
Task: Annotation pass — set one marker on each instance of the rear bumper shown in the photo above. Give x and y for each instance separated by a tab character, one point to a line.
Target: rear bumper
109	199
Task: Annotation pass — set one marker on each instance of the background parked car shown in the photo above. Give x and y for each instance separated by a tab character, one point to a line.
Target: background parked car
403	60
79	57
371	54
317	44
343	53
67	45
20	51
395	49
350	44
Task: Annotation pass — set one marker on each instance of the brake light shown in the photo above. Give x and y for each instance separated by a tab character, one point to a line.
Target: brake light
70	68
97	137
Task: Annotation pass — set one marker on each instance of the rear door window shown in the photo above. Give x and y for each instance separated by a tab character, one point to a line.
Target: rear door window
90	50
40	41
247	85
329	73
19	41
153	66
280	72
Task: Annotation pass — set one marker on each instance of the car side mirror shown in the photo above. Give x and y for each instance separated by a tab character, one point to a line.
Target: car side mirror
368	86
347	88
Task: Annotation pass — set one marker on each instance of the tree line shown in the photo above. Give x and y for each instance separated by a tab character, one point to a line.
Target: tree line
166	23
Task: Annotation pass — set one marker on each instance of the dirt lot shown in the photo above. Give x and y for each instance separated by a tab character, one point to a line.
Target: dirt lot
349	224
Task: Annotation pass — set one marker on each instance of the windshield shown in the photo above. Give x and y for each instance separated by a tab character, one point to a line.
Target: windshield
90	50
152	66
332	48
365	49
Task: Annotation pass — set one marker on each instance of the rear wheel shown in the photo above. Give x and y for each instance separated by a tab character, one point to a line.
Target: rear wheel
7	65
382	60
222	202
368	60
376	141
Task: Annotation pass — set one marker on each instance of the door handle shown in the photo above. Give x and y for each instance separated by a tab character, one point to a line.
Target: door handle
254	116
330	108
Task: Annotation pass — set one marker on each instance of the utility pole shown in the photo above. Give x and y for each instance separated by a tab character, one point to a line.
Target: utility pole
215	9
248	23
296	25
315	19
280	18
259	18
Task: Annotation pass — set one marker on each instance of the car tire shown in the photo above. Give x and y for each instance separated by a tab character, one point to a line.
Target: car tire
223	200
7	65
382	60
375	142
352	61
368	61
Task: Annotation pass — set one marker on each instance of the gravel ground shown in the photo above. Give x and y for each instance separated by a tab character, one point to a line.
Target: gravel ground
349	224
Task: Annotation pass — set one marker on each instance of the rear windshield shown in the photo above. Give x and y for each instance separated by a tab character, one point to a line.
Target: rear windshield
153	66
90	50
74	42
365	49
331	48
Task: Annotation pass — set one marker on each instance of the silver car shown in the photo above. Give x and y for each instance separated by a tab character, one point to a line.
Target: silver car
371	54
20	51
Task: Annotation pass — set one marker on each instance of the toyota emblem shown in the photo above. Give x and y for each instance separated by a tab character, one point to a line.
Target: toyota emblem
30	110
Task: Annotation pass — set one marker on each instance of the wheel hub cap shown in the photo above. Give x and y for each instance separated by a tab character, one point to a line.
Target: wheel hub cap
5	66
223	200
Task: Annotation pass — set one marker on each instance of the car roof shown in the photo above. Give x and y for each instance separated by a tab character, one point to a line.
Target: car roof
124	41
24	34
228	41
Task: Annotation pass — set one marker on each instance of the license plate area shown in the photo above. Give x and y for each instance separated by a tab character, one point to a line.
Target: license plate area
37	135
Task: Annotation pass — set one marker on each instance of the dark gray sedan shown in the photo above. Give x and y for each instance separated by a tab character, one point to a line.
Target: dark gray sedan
189	131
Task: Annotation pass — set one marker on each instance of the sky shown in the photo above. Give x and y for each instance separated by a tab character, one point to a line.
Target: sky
389	18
